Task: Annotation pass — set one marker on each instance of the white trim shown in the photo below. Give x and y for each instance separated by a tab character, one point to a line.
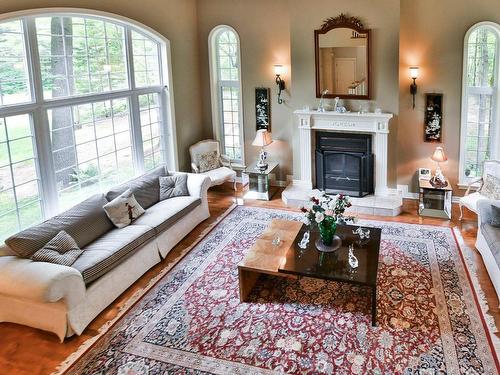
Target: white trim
494	153
215	84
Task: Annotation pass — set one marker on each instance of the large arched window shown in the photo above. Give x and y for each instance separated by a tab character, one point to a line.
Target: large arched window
84	105
480	136
225	73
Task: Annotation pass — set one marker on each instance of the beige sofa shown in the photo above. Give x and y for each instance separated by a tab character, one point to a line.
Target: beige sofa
63	299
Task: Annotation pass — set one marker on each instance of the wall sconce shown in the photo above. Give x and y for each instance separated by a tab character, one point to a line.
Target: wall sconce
413	86
279	70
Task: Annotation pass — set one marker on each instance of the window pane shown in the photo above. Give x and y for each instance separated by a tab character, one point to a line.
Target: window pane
150	130
146	60
481	59
227	56
91	148
477	145
230	124
14	79
80	56
20	203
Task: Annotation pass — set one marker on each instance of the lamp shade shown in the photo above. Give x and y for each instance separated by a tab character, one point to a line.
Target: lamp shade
413	71
279	69
262	138
439	155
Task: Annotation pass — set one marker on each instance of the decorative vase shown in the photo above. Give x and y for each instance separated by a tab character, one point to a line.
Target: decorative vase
327	229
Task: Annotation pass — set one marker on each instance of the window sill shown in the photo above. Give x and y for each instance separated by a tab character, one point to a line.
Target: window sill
465	186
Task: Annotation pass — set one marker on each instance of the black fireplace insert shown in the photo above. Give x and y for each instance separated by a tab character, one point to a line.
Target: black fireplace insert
344	163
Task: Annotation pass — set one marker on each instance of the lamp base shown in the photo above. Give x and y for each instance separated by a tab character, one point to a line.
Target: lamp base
437	182
261	166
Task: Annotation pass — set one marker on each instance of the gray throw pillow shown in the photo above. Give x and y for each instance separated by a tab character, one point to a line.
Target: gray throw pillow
62	249
124	209
495	216
173	186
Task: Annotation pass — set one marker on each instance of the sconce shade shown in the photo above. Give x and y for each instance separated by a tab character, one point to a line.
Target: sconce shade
262	138
439	155
279	70
414	72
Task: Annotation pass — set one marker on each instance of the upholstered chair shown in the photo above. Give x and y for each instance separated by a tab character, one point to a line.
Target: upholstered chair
219	171
470	199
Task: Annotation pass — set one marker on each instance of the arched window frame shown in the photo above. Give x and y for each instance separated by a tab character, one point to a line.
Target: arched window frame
216	85
494	135
38	106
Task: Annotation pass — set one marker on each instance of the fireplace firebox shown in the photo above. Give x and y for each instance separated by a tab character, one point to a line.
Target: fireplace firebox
344	163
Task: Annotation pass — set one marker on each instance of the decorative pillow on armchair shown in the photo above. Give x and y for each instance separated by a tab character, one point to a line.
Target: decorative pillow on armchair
62	249
491	187
208	161
124	209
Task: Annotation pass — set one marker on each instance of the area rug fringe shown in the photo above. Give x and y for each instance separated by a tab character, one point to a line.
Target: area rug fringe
86	345
483	304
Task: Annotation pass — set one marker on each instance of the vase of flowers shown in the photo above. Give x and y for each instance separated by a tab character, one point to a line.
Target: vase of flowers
326	212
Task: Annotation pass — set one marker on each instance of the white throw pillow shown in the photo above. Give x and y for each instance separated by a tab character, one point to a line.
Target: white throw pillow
124	209
209	161
491	187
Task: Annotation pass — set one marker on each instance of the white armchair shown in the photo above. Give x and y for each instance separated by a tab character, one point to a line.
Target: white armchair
469	200
218	175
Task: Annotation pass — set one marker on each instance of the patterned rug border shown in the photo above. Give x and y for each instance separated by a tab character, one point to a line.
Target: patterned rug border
479	297
87	345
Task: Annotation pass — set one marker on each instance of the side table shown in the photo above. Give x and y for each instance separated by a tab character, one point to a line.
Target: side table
259	186
434	201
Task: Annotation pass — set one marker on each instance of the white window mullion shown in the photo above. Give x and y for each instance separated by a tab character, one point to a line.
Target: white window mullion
41	129
135	124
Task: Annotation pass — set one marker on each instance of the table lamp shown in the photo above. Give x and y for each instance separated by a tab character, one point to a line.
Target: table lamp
262	139
439	157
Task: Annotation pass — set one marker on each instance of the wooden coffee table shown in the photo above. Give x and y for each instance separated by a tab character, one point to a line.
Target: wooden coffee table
289	260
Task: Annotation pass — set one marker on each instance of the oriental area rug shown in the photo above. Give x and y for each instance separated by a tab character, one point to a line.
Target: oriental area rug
192	321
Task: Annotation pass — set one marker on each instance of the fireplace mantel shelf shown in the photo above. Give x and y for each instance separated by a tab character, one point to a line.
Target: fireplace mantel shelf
376	124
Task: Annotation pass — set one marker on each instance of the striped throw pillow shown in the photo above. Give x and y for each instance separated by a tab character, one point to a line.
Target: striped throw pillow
62	249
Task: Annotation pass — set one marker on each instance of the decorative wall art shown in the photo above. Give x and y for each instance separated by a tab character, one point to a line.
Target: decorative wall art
263	108
433	117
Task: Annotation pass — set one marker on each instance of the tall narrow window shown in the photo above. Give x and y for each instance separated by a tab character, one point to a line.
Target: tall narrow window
479	129
84	105
226	91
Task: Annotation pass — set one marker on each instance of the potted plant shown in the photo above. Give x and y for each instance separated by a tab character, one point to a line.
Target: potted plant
326	212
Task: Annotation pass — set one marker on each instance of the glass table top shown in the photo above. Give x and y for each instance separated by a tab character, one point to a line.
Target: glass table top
252	168
335	265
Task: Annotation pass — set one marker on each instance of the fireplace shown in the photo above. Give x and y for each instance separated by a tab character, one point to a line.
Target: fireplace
344	163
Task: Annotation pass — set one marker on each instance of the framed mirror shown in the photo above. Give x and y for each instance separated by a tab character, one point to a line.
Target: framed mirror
342	57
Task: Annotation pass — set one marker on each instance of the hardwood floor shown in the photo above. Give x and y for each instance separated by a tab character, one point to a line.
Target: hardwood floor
24	350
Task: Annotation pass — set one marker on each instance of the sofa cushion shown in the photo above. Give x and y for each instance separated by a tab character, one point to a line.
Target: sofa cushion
145	188
111	249
84	222
492	236
165	213
62	249
173	186
219	175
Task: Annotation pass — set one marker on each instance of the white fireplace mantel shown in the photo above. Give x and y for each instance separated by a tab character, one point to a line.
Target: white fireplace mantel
376	124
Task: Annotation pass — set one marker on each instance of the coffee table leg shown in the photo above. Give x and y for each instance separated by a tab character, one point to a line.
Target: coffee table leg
374	306
247	280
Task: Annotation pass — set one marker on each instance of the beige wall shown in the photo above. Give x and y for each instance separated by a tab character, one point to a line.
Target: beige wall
281	32
263	27
431	37
174	19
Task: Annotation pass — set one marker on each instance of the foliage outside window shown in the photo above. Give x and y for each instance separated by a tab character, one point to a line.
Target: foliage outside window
81	110
479	139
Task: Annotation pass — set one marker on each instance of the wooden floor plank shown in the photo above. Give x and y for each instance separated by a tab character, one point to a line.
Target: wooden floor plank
24	350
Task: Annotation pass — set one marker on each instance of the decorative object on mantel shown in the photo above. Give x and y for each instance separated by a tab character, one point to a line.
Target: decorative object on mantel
438	180
326	212
413	86
433	117
262	139
279	70
342	58
263	108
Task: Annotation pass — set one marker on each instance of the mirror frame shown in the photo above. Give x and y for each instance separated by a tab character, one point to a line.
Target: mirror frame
342	21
